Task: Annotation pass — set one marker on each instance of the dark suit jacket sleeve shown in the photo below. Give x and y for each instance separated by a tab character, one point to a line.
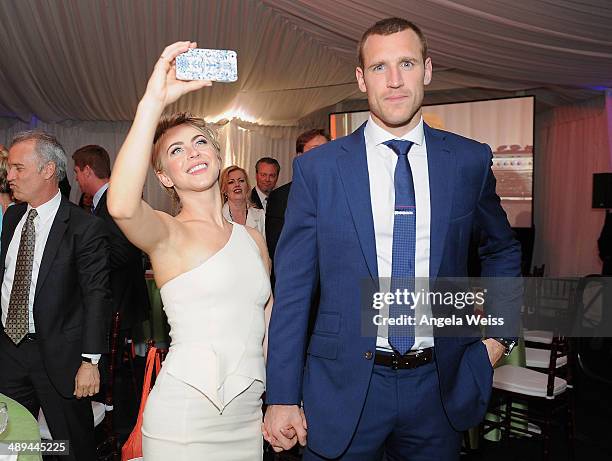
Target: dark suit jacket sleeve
255	199
296	266
128	287
121	250
500	256
92	260
275	217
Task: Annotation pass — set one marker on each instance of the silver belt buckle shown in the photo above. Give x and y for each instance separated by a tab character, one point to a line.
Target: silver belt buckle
395	361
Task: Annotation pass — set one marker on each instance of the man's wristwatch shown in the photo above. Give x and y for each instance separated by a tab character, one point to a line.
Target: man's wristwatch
90	360
508	344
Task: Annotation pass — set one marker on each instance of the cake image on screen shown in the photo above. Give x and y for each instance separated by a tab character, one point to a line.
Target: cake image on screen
513	169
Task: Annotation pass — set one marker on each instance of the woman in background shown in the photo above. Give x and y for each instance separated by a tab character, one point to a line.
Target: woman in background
235	189
206	402
86	202
6	196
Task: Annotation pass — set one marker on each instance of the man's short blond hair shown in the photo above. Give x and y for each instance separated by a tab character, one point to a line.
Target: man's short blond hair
390	26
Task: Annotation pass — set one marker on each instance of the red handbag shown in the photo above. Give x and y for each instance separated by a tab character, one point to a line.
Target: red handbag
132	449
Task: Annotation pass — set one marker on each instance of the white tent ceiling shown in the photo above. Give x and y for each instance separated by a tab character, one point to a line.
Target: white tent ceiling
89	59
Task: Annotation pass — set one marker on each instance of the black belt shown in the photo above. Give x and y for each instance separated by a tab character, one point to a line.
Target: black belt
412	359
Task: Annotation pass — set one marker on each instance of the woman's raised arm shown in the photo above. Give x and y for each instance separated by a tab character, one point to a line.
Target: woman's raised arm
142	225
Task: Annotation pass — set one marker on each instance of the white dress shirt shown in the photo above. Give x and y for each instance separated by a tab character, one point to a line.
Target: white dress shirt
381	169
262	197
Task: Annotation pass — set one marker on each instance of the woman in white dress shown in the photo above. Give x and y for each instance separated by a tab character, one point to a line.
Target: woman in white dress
235	190
206	402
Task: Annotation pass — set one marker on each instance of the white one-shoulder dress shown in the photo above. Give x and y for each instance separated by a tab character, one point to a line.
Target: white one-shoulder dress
206	402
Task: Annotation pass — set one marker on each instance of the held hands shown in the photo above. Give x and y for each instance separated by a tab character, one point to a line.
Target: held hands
87	380
163	87
284	426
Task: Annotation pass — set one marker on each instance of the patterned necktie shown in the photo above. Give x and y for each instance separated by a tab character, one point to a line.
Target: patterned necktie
17	320
401	337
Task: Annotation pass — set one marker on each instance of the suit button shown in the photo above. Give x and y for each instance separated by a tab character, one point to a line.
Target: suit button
368	355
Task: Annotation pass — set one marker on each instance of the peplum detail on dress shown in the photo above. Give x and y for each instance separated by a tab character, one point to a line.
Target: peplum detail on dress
216	317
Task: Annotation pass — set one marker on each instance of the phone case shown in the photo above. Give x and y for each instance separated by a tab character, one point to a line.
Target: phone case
204	64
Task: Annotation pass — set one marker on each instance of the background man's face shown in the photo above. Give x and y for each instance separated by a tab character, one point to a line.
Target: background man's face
25	177
394	77
315	142
81	179
266	177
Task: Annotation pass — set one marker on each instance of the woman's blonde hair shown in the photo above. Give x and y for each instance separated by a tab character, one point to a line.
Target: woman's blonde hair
4	184
171	121
225	178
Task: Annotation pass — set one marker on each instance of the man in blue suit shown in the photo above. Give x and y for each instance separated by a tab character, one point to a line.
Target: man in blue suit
396	199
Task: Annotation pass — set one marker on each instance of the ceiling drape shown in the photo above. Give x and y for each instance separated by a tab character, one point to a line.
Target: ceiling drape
90	59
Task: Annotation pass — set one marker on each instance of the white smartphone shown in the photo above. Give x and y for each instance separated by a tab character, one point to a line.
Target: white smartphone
205	64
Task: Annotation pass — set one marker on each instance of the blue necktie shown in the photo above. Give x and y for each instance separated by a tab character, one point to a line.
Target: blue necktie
401	337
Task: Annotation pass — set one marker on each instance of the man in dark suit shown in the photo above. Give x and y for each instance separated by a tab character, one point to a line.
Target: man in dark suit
266	175
92	171
55	296
277	200
394	202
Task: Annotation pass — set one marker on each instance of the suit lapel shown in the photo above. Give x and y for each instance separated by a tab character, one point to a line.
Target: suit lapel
255	198
353	168
441	166
8	230
59	226
101	204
